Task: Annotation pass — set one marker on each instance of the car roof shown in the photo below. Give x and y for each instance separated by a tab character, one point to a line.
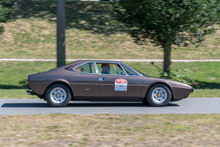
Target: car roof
82	61
78	62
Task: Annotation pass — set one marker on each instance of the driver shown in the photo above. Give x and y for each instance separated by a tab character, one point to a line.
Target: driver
105	68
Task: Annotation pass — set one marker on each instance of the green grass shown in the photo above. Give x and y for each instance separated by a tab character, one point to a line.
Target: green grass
91	33
206	74
15	93
110	130
205	93
13	76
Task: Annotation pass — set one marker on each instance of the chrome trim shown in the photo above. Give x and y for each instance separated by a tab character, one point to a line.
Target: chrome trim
80	65
158	96
97	72
83	64
85	72
96	68
123	69
61	95
110	63
112	75
138	74
101	79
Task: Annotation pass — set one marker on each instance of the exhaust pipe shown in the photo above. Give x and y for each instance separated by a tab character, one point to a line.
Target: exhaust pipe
31	92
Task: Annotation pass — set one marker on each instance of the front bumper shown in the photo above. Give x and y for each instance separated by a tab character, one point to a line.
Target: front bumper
192	89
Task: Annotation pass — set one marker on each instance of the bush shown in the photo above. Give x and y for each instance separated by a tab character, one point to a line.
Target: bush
178	75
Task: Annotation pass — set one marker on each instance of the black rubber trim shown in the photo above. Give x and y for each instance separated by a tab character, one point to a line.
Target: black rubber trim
28	87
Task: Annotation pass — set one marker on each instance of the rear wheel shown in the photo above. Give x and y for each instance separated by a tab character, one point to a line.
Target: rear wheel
58	95
159	95
144	101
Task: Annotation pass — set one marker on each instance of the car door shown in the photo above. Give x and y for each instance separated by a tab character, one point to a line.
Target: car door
117	85
85	83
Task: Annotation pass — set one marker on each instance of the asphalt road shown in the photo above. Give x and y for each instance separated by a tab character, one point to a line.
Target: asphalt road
38	106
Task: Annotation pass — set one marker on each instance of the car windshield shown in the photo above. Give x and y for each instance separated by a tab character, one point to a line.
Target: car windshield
143	74
131	68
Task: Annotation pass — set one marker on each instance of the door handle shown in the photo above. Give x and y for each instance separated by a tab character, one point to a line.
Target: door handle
101	79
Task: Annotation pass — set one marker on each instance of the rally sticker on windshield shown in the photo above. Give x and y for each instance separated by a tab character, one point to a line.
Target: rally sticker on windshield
121	85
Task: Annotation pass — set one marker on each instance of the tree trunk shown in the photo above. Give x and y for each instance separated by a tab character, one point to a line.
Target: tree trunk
61	33
166	60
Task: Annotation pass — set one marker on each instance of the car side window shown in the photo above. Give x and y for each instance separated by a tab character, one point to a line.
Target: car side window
129	71
86	68
110	68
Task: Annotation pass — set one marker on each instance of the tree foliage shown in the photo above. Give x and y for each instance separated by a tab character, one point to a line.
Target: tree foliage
168	22
6	12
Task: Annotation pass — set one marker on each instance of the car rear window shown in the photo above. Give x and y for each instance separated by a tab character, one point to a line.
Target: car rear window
86	68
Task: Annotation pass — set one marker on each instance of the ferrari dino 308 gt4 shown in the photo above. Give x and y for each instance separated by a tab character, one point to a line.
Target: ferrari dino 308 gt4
91	80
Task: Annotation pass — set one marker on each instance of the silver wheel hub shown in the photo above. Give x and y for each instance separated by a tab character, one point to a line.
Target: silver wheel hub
159	95
58	95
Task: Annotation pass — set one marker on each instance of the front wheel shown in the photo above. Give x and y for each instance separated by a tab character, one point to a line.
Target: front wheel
58	95
159	95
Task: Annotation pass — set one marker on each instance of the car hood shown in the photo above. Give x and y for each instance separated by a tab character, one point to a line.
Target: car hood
151	80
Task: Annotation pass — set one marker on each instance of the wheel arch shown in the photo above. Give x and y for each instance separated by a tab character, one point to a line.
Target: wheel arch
61	82
163	84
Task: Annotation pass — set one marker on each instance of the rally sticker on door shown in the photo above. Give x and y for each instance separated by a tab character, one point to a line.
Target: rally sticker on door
121	85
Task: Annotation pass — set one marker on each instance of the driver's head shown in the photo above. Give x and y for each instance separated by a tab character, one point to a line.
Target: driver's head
105	67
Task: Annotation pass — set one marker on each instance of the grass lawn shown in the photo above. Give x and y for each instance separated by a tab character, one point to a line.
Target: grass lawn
13	76
110	130
91	32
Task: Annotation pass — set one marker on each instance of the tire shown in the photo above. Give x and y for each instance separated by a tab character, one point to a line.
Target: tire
159	95
58	95
144	101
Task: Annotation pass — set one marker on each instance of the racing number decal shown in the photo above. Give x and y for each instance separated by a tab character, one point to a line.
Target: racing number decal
121	85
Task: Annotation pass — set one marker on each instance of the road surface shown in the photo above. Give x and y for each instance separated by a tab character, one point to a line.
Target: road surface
38	106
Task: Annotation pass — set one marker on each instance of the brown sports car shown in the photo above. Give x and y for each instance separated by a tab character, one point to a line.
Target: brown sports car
88	80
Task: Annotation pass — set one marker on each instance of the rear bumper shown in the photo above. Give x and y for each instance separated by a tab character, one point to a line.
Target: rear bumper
28	87
31	92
